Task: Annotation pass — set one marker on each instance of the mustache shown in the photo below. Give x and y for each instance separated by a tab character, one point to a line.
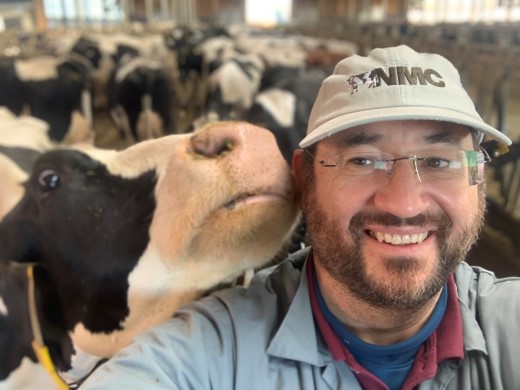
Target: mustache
441	221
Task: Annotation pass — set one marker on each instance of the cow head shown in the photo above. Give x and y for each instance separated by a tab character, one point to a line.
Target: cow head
126	237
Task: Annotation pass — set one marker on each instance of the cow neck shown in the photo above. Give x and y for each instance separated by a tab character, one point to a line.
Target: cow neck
40	350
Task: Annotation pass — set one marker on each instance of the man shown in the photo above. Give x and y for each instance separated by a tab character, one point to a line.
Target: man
392	187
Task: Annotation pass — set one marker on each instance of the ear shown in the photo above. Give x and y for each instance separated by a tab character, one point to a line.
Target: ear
296	161
296	164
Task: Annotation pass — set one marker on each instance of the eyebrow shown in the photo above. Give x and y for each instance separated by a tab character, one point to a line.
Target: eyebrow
356	139
444	137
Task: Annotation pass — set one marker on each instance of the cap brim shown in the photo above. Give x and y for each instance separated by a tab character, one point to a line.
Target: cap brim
350	120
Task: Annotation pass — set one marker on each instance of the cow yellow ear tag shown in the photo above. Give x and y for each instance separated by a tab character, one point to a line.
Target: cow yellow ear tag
41	351
44	357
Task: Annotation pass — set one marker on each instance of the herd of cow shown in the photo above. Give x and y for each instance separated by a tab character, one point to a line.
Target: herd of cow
147	83
96	245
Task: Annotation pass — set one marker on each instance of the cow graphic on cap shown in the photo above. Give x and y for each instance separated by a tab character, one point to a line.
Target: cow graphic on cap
370	79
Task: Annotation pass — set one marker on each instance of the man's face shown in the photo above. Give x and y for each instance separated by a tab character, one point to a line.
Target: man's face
391	240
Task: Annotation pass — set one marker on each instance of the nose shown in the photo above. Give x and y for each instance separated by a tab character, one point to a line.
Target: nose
402	194
212	144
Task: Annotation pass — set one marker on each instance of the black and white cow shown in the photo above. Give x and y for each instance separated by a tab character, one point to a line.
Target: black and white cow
188	42
56	90
121	239
139	98
22	141
102	64
284	104
232	87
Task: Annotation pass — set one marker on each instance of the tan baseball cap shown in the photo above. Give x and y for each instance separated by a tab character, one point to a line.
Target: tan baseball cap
395	83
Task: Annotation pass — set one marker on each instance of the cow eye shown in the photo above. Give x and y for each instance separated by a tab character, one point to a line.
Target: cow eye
48	180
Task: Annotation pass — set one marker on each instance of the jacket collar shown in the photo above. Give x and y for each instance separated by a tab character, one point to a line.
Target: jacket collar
470	283
297	337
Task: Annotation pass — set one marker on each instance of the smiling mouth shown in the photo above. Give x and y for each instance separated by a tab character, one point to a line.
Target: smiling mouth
399	239
248	198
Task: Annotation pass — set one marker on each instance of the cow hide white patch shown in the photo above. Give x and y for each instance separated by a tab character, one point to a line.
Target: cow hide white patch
280	104
37	69
3	307
12	189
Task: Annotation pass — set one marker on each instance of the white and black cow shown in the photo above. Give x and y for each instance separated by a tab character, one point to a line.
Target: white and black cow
106	51
53	89
139	97
232	87
102	65
188	42
121	239
22	141
284	104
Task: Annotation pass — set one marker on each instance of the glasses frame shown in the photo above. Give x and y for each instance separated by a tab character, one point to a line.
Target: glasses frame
388	164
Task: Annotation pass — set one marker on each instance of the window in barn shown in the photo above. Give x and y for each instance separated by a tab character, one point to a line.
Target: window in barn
462	11
73	12
268	12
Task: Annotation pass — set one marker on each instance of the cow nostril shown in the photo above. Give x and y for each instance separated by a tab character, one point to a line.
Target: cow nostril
211	147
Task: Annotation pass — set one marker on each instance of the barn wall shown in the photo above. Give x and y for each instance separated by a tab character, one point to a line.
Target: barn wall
224	11
307	11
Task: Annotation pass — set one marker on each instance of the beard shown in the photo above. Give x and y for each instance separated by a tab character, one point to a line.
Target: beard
342	256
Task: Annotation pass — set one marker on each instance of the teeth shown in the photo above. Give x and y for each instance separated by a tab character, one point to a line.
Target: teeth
405	239
379	236
397	239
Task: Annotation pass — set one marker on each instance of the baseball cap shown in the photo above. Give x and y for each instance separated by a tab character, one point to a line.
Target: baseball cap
394	83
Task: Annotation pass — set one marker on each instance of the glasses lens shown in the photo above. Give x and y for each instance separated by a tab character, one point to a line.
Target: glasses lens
451	167
446	167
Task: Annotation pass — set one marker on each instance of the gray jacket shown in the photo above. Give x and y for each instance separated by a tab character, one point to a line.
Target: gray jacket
264	337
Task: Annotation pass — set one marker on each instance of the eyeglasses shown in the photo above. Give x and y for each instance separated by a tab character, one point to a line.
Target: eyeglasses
446	167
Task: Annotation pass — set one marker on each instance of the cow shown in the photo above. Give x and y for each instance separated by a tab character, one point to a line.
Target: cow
274	49
22	140
102	65
369	79
104	52
188	44
232	87
54	89
139	98
117	240
284	103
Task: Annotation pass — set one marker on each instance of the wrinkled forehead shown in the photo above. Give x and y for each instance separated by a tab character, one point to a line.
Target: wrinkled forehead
419	134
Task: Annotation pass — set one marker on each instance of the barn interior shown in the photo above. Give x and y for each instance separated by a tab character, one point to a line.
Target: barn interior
481	37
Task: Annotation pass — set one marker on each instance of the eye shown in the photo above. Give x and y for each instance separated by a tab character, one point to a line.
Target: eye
48	180
361	161
436	162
